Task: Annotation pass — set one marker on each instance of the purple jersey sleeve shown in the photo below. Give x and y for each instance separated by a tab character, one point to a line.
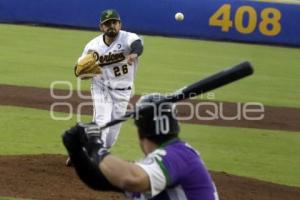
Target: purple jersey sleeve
184	168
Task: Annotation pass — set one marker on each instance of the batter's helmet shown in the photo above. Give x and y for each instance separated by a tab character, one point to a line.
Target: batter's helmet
109	15
157	120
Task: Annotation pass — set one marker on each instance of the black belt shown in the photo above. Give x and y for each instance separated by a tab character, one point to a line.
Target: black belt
128	88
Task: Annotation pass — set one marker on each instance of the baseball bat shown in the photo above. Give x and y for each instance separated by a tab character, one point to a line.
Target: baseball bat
209	83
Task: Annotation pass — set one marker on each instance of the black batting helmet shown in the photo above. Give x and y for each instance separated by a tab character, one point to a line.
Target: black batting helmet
156	120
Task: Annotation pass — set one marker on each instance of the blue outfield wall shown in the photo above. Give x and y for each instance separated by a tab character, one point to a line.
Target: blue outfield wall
248	21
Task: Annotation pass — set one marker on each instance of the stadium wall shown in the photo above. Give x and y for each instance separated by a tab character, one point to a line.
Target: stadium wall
248	21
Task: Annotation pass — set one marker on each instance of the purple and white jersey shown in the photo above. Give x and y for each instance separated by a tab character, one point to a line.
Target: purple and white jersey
176	172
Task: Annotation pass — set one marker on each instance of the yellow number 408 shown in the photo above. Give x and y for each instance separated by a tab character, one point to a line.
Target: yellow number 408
269	24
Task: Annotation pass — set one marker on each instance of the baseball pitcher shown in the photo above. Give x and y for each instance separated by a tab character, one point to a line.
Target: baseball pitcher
111	60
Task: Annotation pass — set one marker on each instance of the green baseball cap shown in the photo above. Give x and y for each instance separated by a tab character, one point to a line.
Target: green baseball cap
108	15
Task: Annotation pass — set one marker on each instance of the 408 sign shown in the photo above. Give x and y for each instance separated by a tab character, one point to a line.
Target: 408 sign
246	20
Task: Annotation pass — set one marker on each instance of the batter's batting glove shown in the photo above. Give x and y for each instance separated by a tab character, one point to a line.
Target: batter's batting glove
85	147
71	140
87	138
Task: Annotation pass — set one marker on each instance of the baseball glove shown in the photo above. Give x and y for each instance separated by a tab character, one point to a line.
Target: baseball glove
88	66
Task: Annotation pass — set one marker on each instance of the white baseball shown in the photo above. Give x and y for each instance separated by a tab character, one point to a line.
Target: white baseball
179	16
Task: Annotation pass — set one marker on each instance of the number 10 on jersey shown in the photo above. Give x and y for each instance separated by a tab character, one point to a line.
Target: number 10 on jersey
268	22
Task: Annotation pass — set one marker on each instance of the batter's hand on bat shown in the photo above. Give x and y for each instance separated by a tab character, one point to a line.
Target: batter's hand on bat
131	58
